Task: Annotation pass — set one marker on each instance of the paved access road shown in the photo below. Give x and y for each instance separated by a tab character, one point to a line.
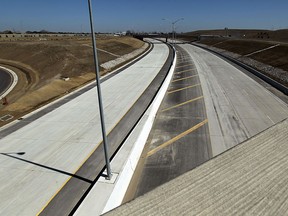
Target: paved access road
250	179
5	81
38	158
184	136
179	140
237	106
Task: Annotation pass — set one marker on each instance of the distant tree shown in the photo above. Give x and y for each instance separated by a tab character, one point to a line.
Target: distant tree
43	31
8	32
128	32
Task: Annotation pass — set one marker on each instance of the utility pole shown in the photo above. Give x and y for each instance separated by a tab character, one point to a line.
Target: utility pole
96	65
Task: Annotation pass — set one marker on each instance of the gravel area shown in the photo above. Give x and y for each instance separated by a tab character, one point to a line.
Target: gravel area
111	64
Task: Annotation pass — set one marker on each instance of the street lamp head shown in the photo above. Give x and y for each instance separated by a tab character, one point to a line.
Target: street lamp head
177	20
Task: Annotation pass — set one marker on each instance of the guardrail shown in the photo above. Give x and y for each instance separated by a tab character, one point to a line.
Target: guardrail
257	73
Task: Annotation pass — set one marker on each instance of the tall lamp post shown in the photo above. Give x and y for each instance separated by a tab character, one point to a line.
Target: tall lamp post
173	28
109	174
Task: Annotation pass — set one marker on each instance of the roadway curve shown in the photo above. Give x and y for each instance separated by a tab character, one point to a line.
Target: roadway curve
6	81
179	140
237	108
50	158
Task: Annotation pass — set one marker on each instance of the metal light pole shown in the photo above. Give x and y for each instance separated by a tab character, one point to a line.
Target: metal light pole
109	174
173	28
168	32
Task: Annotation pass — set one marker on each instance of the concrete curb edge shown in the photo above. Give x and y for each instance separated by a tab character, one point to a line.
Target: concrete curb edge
125	176
14	82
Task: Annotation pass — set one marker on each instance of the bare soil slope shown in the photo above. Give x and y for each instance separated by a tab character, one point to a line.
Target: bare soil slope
265	50
259	34
40	65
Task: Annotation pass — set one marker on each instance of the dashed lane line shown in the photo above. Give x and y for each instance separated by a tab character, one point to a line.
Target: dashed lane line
189	77
181	104
185	71
169	142
181	89
184	66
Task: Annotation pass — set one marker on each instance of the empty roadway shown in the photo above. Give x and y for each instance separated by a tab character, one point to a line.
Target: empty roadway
250	179
237	108
53	147
179	140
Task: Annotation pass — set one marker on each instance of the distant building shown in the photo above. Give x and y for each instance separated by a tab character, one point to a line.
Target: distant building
120	33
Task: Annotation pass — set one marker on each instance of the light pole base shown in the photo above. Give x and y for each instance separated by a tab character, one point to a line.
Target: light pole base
104	178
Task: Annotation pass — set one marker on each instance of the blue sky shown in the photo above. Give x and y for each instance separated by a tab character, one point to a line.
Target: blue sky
142	15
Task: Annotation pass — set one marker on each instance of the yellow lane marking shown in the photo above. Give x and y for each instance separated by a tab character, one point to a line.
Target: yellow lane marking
73	173
78	168
181	104
169	142
177	90
184	65
184	71
176	80
42	209
183	61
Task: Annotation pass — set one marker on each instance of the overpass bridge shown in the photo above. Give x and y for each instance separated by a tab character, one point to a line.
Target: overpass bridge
141	36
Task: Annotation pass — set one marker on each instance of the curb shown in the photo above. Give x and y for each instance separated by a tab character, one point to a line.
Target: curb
13	84
77	90
252	70
125	176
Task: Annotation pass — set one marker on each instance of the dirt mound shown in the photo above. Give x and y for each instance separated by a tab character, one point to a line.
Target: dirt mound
69	58
40	65
268	57
256	34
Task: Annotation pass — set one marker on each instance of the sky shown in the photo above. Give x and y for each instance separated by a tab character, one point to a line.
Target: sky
142	15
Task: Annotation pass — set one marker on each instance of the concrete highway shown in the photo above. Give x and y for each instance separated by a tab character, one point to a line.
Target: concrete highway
6	80
39	158
179	140
237	108
250	179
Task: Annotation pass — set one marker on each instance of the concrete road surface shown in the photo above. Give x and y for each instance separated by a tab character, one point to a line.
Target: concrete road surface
179	140
237	108
250	179
38	158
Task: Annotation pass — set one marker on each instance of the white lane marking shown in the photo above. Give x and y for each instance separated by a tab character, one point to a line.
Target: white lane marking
270	119
14	81
6	117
